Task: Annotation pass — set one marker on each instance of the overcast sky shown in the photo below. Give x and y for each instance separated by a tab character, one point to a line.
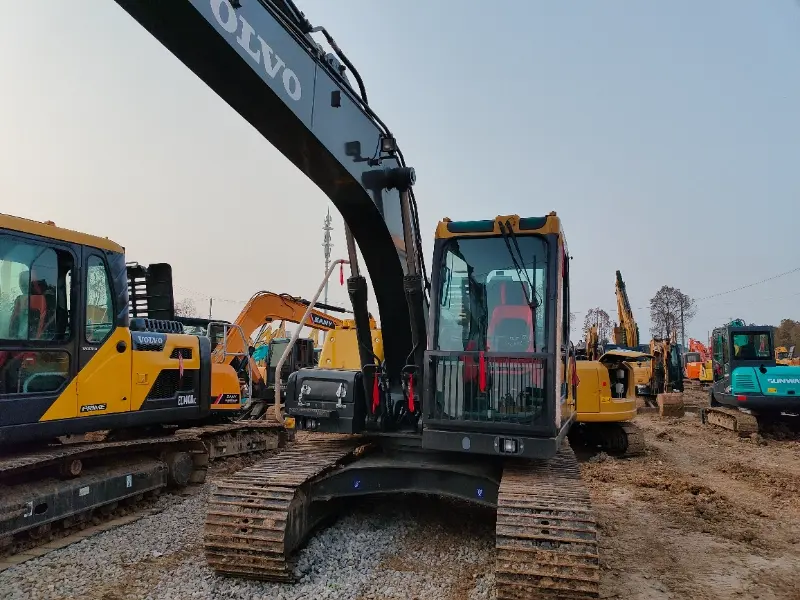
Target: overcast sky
666	135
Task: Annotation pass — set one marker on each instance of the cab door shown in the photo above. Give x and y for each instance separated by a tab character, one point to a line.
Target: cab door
105	358
37	337
721	364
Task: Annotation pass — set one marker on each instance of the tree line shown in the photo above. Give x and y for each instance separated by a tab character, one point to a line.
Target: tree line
670	312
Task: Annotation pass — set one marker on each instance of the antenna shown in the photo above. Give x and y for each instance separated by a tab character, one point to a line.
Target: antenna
326	247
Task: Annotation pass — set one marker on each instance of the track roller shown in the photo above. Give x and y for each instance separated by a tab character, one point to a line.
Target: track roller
179	468
70	468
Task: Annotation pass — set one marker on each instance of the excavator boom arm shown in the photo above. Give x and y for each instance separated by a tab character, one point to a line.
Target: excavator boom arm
259	56
627	324
267	306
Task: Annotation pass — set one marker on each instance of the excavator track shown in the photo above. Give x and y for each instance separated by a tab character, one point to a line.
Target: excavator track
259	516
546	534
730	419
51	489
620	439
635	440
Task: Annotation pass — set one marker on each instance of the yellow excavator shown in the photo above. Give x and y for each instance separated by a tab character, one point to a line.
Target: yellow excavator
606	403
89	344
626	335
784	356
666	376
607	388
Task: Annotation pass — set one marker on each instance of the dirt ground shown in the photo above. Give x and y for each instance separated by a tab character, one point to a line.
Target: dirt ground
704	514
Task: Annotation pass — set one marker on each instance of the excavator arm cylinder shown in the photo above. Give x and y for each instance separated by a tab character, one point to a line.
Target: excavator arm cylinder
412	285
403	179
357	289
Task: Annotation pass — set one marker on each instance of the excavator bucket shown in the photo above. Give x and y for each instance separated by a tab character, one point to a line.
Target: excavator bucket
670	404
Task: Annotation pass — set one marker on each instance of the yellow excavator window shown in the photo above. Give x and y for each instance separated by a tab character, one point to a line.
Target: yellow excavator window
35	288
99	301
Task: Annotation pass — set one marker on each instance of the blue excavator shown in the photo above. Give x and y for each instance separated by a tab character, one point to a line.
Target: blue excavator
750	390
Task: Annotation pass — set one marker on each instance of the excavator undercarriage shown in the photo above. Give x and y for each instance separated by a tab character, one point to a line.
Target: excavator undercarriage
48	490
546	534
621	439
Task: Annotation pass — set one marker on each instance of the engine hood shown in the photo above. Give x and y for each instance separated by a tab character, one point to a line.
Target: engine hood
775	381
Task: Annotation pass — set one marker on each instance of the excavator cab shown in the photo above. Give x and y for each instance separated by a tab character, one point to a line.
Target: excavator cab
489	353
87	342
494	375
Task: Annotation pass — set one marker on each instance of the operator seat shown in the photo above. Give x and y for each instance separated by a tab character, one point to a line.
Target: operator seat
511	322
28	321
35	313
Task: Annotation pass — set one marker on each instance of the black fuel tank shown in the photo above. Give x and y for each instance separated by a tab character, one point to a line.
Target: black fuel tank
326	400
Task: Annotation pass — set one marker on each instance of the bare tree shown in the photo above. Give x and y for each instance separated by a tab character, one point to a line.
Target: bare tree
599	318
186	308
670	311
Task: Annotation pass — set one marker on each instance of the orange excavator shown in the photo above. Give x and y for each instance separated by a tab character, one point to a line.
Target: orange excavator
234	344
697	362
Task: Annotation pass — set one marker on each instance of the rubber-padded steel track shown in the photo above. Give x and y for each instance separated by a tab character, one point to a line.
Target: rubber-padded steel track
546	534
731	419
635	439
260	515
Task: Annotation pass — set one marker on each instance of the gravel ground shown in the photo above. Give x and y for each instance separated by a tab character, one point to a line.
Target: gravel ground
383	551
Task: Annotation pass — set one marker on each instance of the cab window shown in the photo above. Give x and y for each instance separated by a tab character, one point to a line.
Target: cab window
35	319
752	346
35	287
99	301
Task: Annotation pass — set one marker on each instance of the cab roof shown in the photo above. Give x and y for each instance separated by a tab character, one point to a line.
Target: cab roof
549	223
48	229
